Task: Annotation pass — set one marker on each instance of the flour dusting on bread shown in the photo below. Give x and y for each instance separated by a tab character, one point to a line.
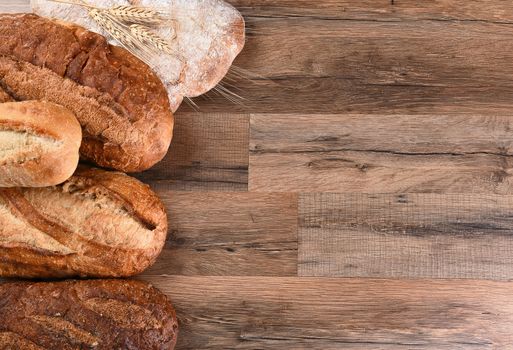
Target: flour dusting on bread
20	146
209	35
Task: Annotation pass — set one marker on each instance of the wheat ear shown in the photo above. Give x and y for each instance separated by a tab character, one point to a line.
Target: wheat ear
145	35
138	15
121	32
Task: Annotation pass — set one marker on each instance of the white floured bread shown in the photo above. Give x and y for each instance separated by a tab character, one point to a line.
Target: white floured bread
209	35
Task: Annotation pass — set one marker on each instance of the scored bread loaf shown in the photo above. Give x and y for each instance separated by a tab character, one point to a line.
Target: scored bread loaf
205	36
95	314
96	224
39	143
121	104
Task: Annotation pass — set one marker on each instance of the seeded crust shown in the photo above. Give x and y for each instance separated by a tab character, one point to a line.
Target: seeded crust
94	314
121	104
96	224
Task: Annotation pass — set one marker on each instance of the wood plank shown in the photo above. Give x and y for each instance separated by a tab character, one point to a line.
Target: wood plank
311	65
220	233
316	65
406	235
381	154
380	10
320	313
208	152
15	6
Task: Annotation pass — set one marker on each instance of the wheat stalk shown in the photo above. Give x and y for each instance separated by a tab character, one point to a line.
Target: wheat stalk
122	33
139	15
145	35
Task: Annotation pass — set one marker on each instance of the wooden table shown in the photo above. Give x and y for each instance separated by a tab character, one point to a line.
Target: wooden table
361	198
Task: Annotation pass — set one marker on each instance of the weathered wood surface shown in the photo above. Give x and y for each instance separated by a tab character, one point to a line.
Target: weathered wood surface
236	234
406	235
321	313
404	108
380	154
381	10
311	65
209	152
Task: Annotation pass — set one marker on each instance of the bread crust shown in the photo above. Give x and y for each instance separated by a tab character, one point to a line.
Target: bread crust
121	104
210	34
96	224
94	314
47	162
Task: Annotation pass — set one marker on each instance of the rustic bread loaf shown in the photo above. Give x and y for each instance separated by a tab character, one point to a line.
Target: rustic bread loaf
121	104
98	314
97	224
39	143
209	35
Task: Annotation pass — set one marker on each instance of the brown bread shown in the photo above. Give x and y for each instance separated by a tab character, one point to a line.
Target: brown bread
96	314
96	224
39	143
4	96
121	104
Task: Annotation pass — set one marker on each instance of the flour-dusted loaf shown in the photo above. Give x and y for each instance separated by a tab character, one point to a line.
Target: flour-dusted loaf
39	143
209	35
96	314
96	224
121	104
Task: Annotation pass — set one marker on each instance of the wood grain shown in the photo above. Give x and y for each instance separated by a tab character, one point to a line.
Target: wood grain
354	97
222	233
381	10
406	235
313	65
308	62
208	152
381	154
322	313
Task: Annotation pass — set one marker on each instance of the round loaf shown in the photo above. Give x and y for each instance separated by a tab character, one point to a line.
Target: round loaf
121	104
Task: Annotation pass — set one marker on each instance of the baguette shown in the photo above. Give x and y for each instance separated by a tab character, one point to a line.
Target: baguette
96	224
39	143
121	104
95	314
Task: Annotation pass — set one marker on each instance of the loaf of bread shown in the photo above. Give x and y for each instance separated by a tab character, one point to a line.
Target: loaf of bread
96	224
121	104
206	37
97	314
39	143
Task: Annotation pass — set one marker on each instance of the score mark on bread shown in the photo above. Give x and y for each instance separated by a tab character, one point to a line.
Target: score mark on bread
96	224
121	104
39	143
95	314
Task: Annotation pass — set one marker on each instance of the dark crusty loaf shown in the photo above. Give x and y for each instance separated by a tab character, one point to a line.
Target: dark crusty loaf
97	314
96	224
121	104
